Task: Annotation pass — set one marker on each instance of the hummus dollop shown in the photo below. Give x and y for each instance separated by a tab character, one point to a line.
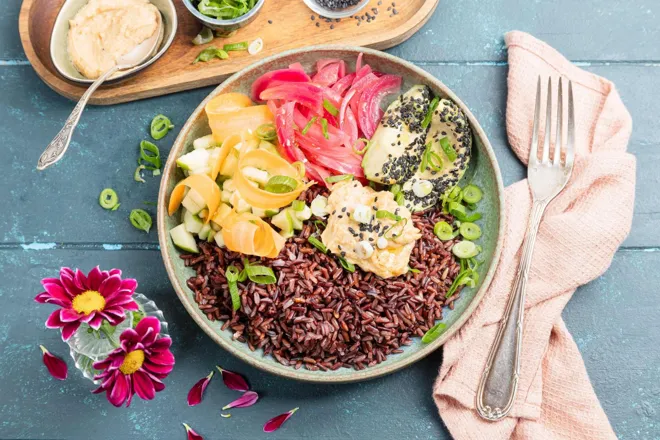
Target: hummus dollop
105	30
354	232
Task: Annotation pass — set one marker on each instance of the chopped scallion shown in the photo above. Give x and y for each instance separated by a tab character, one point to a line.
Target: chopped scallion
298	205
448	149
137	176
433	333
281	184
260	274
382	213
235	47
140	219
108	199
309	125
267	132
367	144
160	126
346	264
317	244
429	113
324	128
339	178
330	108
149	156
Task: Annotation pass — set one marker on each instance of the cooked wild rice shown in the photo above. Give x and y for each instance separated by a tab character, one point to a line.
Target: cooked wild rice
319	315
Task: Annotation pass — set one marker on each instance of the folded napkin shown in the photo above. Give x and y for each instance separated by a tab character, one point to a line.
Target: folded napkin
579	234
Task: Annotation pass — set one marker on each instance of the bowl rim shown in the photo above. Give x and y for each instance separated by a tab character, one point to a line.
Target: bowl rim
165	45
356	375
218	22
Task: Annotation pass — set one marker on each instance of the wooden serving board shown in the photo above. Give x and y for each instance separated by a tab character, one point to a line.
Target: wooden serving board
292	27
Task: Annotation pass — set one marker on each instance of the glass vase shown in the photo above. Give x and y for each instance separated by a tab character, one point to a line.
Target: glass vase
87	346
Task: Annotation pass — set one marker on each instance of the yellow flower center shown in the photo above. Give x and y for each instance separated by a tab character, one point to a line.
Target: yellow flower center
88	302
132	362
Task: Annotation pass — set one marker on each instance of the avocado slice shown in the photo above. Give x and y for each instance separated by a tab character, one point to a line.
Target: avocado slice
448	121
398	142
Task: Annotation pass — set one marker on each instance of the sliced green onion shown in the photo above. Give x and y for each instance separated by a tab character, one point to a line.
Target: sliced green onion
455	193
209	53
281	184
116	207
235	47
424	163
346	264
395	189
317	244
204	36
472	194
457	210
260	274
108	198
298	205
137	176
399	199
330	108
319	222
443	231
391	234
473	218
429	113
470	230
148	203
149	156
448	149
235	295
382	213
267	132
231	273
339	178
434	161
160	125
309	125
300	167
324	128
433	333
140	219
413	270
465	249
367	144
155	173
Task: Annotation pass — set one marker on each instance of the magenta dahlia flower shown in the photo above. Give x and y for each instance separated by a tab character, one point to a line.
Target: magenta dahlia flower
93	298
140	363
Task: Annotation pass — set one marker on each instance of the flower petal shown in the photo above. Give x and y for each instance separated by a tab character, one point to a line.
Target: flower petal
57	291
233	381
143	385
56	366
114	272
81	280
110	285
197	391
161	344
54	320
248	398
192	435
160	370
96	320
95	278
162	357
129	284
120	391
69	329
69	315
148	328
69	284
277	421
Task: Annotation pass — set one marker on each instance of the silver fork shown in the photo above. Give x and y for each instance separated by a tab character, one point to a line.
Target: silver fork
499	382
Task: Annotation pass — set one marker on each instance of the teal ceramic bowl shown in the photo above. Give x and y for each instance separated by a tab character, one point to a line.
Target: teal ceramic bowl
483	171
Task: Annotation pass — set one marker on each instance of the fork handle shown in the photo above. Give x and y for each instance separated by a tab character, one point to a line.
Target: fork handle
499	382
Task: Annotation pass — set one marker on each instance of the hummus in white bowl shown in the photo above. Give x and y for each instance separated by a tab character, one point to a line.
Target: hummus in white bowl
105	30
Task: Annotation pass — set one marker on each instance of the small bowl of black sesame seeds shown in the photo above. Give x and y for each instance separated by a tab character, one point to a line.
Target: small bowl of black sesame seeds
336	8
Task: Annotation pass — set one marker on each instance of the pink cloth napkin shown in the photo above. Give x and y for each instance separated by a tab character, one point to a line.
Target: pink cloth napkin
580	232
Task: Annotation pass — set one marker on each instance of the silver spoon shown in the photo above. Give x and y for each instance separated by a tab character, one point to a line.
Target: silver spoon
57	147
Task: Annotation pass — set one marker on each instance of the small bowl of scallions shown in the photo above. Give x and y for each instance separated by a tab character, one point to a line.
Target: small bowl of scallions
224	16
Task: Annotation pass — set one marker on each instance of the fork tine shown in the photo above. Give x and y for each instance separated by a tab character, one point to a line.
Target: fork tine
533	151
548	125
570	142
560	117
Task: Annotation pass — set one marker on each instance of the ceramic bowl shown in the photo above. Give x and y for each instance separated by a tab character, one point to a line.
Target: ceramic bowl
59	46
224	26
483	171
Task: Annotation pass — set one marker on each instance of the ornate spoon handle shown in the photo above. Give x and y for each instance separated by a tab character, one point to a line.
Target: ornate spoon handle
57	147
499	382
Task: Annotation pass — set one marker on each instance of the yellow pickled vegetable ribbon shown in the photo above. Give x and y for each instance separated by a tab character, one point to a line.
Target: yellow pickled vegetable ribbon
275	166
250	235
201	183
233	113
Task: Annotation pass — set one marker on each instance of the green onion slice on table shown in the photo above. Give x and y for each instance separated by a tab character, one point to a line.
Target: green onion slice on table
160	126
149	156
204	36
236	47
209	53
108	199
140	219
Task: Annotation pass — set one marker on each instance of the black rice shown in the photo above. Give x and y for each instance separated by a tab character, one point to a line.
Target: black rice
320	316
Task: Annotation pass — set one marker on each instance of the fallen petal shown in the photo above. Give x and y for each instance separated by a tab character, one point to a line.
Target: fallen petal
192	435
233	381
197	391
56	366
277	421
248	398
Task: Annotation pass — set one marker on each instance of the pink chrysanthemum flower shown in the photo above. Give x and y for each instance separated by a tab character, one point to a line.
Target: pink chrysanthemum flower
93	298
138	365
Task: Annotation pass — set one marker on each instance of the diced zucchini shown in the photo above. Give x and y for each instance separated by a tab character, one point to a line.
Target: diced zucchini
202	170
183	239
216	227
265	145
305	214
283	221
204	142
204	232
319	206
192	222
193	202
271	212
256	175
259	212
225	196
203	213
229	185
213	157
229	165
219	240
297	223
223	211
286	235
195	160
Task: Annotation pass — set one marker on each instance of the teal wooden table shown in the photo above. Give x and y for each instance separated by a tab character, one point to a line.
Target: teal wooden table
53	219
